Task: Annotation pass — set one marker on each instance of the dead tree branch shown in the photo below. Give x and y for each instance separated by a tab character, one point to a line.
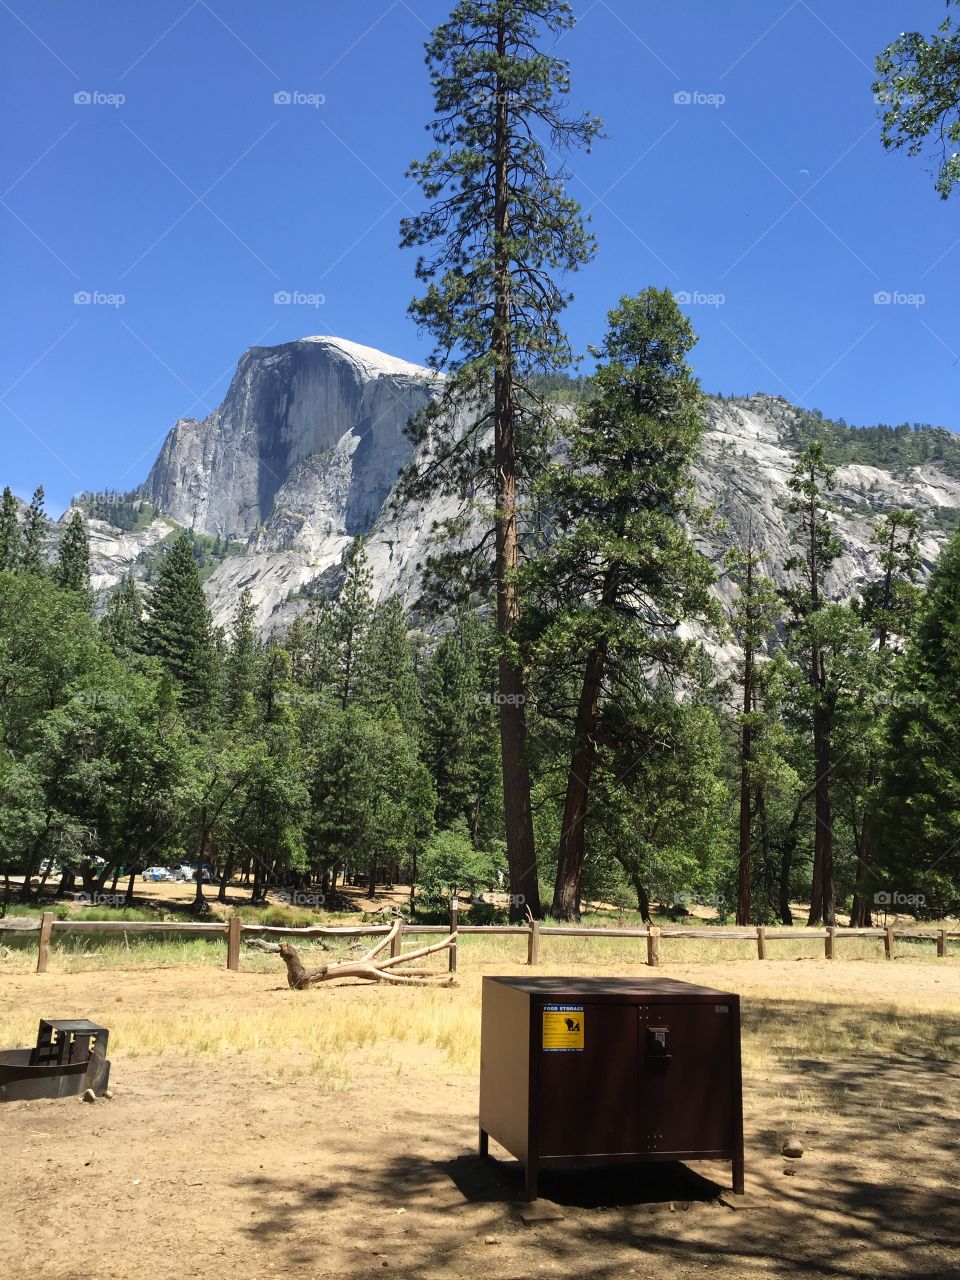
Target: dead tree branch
365	967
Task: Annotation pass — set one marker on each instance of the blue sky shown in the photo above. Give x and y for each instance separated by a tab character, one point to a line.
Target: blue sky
184	189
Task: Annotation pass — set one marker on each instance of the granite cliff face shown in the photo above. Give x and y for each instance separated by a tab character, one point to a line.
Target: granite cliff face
306	447
310	432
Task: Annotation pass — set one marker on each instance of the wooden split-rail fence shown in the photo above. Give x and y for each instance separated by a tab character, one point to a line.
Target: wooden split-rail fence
234	929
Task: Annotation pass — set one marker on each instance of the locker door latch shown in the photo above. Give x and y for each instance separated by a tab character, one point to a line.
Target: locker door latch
657	1041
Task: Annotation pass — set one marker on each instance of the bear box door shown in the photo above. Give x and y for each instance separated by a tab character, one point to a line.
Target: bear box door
586	1092
684	1077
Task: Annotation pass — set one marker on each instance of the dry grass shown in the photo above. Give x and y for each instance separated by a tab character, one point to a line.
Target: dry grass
790	1010
216	1077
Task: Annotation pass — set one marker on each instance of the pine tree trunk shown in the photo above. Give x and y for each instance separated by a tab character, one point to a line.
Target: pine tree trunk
566	893
746	749
822	892
769	871
518	818
860	914
786	867
746	753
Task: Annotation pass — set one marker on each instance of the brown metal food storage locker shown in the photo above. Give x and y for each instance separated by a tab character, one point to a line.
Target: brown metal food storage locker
592	1071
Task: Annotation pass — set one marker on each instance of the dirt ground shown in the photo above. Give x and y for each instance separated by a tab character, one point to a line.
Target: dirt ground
333	1133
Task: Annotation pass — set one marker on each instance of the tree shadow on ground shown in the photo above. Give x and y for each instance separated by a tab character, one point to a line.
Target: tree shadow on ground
874	1195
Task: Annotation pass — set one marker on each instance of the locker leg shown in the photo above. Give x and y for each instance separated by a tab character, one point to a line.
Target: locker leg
738	1175
530	1171
484	1143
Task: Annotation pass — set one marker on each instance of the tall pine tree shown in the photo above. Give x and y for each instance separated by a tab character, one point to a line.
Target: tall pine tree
72	570
179	630
753	620
241	664
122	624
11	539
498	230
889	608
620	571
919	835
35	534
391	681
818	547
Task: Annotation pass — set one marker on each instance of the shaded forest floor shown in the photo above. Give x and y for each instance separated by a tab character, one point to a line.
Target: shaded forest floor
258	1131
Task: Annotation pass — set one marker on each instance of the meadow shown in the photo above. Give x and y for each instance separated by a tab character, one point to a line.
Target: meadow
261	1130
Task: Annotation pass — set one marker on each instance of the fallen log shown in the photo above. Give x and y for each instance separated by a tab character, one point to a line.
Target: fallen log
367	967
261	944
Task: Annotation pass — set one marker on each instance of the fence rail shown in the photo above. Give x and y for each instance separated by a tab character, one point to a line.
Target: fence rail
233	929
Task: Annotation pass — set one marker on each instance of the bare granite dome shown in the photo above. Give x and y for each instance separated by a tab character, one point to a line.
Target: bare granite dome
305	450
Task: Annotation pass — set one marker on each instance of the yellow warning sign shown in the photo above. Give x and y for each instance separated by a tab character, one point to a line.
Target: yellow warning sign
563	1028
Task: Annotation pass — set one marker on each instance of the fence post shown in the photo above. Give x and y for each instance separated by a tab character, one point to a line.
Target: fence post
233	943
829	941
888	942
46	928
942	942
761	942
653	945
396	944
533	942
454	925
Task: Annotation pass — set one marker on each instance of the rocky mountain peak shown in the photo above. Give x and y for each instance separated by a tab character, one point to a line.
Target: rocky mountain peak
304	452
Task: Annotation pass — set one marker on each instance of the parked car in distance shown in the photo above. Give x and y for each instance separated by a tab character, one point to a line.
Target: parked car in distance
158	873
186	871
